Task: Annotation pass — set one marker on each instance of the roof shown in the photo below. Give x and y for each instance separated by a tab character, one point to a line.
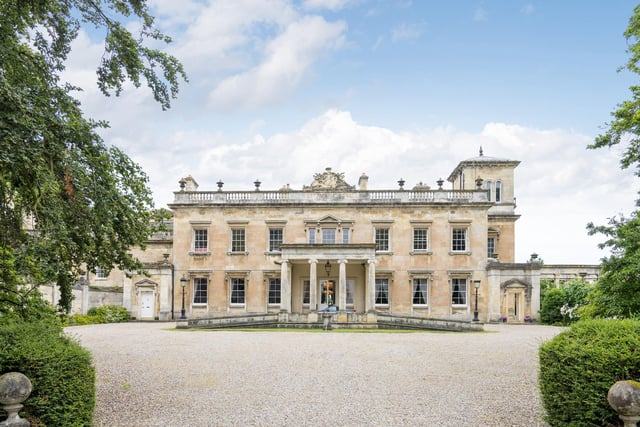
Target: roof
481	160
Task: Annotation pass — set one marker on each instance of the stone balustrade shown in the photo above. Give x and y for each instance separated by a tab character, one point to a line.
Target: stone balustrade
346	197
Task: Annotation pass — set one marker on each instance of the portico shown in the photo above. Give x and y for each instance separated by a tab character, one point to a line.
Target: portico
299	263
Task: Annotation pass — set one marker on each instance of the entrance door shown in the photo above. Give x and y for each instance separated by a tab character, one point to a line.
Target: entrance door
515	305
327	292
146	305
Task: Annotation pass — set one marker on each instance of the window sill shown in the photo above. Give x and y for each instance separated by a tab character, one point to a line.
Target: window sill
192	253
237	253
382	305
421	252
273	253
458	305
420	306
384	253
273	305
459	252
198	305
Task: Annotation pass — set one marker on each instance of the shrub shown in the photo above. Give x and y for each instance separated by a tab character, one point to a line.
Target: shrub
104	314
578	367
550	307
561	306
60	371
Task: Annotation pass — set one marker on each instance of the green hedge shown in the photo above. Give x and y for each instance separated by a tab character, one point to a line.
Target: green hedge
60	371
104	314
578	367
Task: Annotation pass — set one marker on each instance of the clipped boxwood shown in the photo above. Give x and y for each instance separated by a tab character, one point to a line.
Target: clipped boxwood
104	314
60	371
578	366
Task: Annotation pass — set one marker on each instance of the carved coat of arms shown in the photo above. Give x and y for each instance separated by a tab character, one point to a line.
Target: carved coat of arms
328	180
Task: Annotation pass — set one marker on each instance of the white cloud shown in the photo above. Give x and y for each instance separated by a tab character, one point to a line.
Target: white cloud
407	31
560	186
287	59
332	5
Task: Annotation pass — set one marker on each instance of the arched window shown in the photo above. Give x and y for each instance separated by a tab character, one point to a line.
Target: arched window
489	186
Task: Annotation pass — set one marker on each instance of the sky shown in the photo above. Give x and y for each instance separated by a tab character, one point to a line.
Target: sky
280	90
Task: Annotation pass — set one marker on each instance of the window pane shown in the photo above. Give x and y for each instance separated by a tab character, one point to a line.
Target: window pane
459	291
312	235
200	240
101	273
420	242
488	185
382	239
274	291
345	236
200	290
306	292
329	235
237	291
498	191
275	239
237	240
491	247
459	239
420	292
382	291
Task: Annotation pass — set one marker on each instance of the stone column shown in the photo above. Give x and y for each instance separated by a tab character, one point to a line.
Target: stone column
85	296
535	294
370	292
313	284
285	283
342	285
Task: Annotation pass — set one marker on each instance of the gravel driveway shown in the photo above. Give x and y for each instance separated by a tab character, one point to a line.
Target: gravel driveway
149	374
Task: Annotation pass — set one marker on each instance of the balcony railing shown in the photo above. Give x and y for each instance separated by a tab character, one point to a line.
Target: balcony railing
337	197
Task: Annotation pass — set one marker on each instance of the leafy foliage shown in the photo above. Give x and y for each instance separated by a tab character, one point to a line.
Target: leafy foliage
617	292
66	199
560	306
104	314
59	369
578	367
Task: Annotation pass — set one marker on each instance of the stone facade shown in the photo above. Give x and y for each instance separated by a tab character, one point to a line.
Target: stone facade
417	252
407	252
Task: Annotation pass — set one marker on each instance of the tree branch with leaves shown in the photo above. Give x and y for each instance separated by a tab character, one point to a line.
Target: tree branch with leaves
86	203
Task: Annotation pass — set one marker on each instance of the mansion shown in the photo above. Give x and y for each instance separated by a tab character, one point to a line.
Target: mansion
359	253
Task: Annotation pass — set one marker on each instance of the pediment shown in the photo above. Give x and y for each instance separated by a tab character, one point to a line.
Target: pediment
146	283
515	284
328	220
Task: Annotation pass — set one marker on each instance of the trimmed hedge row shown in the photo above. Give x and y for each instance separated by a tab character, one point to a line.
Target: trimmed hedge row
60	371
578	366
104	314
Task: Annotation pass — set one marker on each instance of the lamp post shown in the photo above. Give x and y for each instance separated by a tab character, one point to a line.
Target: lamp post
183	283
476	283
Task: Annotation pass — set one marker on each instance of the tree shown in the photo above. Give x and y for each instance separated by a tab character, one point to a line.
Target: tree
618	290
67	199
617	293
562	305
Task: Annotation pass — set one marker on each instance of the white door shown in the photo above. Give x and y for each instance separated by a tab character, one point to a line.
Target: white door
146	305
